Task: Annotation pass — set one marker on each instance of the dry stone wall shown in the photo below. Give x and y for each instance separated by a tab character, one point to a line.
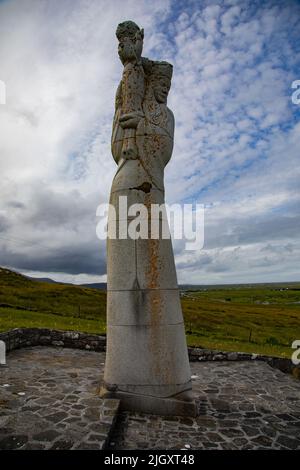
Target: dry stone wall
26	337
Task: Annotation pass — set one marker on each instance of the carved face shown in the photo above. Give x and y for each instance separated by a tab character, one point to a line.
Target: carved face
161	87
126	50
130	48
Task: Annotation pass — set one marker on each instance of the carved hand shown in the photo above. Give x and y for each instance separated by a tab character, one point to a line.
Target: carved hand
130	120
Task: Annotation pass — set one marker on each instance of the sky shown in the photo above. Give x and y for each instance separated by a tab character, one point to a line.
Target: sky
237	135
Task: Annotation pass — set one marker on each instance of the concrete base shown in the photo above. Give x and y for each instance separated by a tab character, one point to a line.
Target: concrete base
182	404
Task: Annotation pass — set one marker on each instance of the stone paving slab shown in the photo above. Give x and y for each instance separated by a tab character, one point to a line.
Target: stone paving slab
49	400
242	405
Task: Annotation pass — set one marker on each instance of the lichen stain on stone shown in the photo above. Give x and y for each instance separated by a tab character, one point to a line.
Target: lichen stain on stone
155	307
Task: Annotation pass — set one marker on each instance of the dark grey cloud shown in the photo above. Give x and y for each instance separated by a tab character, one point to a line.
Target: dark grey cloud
59	233
56	209
219	267
15	205
70	259
231	232
4	223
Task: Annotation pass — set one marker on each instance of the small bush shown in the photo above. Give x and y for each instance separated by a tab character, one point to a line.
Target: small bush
272	341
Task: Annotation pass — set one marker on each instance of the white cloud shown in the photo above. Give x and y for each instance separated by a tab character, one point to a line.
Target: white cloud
236	140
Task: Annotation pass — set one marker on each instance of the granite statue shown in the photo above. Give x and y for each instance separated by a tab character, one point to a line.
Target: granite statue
147	363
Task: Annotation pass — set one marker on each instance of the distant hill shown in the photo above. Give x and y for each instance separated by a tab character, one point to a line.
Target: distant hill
272	285
44	279
96	285
47	296
93	285
13	278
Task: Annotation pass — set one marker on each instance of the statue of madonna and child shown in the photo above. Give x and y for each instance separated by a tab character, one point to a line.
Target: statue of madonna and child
147	365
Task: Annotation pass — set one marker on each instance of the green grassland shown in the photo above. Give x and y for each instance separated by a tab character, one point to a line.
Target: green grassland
27	303
260	318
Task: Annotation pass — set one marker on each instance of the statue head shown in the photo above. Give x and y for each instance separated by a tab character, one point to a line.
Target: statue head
160	80
130	38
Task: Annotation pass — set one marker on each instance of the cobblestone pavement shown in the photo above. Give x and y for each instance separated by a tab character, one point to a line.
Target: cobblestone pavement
242	405
48	400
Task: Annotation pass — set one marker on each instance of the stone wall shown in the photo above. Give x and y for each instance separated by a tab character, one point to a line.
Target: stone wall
25	337
285	365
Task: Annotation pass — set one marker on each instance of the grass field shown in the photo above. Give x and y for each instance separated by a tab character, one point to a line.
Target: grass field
260	318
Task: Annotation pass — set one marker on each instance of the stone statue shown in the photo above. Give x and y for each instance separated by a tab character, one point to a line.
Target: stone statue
132	86
147	364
